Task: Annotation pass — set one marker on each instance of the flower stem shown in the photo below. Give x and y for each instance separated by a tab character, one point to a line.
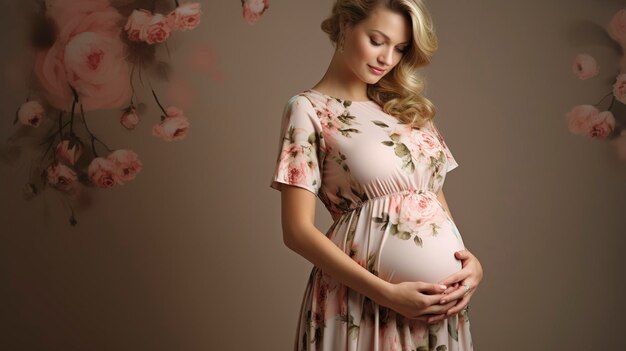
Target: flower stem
157	100
93	137
604	97
73	106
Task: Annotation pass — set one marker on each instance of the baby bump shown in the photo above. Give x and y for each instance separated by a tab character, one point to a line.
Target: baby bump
419	246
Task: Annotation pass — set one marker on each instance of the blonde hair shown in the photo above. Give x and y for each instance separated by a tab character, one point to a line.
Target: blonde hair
399	91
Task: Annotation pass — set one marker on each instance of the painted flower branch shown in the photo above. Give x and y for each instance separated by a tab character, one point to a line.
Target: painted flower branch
87	62
593	120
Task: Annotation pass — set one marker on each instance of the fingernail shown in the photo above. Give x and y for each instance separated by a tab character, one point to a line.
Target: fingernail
442	286
443	301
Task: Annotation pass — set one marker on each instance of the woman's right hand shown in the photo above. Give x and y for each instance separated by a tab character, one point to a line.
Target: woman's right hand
418	300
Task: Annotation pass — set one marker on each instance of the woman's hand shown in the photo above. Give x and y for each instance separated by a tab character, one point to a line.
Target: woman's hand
418	300
470	275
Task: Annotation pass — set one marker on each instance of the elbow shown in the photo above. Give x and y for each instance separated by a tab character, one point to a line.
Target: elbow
292	237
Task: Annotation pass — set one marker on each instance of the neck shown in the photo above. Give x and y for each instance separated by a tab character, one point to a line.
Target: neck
339	81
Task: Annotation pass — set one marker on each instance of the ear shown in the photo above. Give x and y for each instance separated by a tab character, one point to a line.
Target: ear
343	24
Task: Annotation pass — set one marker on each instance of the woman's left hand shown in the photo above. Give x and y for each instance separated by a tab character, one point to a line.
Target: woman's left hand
470	275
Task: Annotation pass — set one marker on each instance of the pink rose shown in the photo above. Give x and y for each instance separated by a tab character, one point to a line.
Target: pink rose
601	125
578	118
617	27
185	16
619	88
253	9
31	113
174	127
587	120
157	30
585	66
61	176
89	56
69	154
135	24
103	173
127	162
130	119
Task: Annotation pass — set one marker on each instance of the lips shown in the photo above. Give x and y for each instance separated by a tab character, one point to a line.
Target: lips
376	69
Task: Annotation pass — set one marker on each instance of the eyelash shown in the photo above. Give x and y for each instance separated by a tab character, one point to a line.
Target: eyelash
402	51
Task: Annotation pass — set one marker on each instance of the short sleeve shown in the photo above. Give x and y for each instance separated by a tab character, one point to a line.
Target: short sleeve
451	162
300	147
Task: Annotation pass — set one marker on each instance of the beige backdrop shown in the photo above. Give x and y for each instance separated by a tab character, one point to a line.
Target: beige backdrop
189	256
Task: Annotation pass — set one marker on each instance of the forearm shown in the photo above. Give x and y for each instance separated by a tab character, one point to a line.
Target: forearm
313	245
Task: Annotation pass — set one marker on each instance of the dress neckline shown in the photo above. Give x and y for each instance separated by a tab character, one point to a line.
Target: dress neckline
333	97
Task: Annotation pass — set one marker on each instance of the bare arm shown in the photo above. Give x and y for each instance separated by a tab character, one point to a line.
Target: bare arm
301	236
419	300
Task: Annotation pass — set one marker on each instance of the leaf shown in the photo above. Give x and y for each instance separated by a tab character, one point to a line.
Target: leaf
432	340
453	327
395	137
404	235
161	70
388	143
378	220
380	124
401	150
442	348
418	240
393	229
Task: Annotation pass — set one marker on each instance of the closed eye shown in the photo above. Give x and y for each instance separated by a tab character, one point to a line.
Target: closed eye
402	51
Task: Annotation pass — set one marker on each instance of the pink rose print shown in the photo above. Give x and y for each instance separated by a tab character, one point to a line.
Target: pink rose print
253	9
429	145
31	113
69	153
61	176
103	172
585	66
127	163
129	119
619	88
415	211
173	127
88	56
185	16
617	27
297	163
157	30
587	120
135	24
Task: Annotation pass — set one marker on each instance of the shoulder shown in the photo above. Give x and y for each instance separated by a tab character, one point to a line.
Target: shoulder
300	104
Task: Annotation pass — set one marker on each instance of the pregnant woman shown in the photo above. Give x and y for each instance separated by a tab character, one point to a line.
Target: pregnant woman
392	271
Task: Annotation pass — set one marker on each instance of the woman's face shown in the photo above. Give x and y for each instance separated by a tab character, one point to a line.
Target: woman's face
377	42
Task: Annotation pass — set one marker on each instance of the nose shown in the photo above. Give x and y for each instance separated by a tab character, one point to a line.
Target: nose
387	57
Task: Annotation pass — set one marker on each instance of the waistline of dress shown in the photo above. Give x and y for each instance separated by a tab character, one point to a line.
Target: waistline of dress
395	193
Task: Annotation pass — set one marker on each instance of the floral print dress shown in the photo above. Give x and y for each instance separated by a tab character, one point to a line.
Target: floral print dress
378	178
